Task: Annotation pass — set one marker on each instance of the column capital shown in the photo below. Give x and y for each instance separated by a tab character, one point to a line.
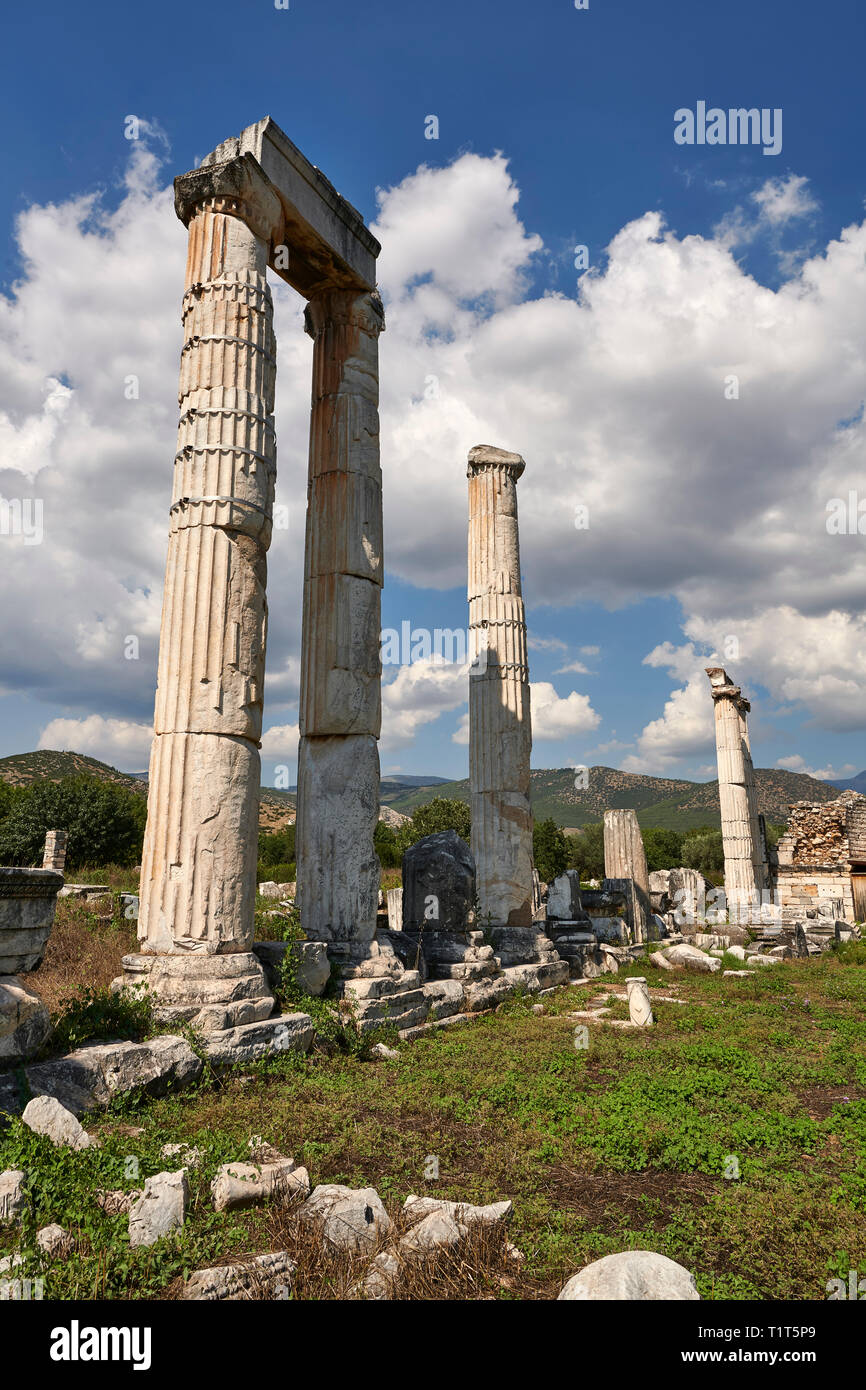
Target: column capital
488	456
237	187
723	688
346	308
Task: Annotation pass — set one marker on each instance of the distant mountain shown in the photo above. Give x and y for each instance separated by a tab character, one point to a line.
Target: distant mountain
46	765
851	784
670	803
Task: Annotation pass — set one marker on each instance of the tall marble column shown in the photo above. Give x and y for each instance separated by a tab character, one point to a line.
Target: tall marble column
500	731
198	879
746	870
625	863
340	704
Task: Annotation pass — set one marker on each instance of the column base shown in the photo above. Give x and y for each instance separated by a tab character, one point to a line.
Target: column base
210	992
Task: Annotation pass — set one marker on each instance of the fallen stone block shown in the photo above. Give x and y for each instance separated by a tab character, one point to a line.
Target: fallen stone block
349	1218
737	974
382	1278
24	1021
160	1209
240	1185
690	958
92	1076
45	1115
486	994
268	1276
634	1275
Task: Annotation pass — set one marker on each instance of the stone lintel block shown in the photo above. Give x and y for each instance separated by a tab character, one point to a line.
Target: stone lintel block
344	526
341	673
332	246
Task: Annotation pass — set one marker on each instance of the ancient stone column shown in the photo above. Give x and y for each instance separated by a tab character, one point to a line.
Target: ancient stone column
340	705
198	878
745	857
500	732
625	862
54	853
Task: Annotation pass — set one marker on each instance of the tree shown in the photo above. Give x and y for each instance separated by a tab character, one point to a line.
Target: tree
550	849
587	851
104	822
386	845
277	847
663	848
442	813
703	850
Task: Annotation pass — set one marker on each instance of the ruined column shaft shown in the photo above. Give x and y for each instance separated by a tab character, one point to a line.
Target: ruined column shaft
198	865
625	859
746	870
340	702
500	730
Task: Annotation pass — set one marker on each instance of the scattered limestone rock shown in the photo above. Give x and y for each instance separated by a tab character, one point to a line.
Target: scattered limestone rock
633	1275
239	1185
350	1218
160	1209
47	1116
54	1242
439	1229
382	1277
13	1202
267	1274
389	1054
464	1212
758	959
691	958
737	974
738	951
8	1263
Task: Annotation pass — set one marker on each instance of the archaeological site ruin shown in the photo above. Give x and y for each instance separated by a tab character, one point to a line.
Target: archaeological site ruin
472	930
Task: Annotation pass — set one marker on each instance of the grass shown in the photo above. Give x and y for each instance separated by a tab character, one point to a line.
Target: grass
622	1145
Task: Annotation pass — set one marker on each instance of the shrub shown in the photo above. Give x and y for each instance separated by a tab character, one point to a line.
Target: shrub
277	847
104	822
586	851
97	1013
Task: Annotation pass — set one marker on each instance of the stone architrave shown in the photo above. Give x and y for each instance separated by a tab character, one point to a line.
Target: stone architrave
625	859
54	854
746	869
500	732
256	203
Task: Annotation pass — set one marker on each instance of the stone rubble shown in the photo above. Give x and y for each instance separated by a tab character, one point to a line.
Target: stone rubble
240	1185
45	1115
634	1275
160	1209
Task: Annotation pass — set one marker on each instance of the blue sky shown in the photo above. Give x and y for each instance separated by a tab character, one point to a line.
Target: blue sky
722	260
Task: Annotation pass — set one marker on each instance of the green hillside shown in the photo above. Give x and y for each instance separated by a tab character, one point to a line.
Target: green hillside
669	803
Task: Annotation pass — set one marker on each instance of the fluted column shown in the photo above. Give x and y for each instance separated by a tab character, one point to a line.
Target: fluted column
500	731
745	868
198	878
340	704
625	860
